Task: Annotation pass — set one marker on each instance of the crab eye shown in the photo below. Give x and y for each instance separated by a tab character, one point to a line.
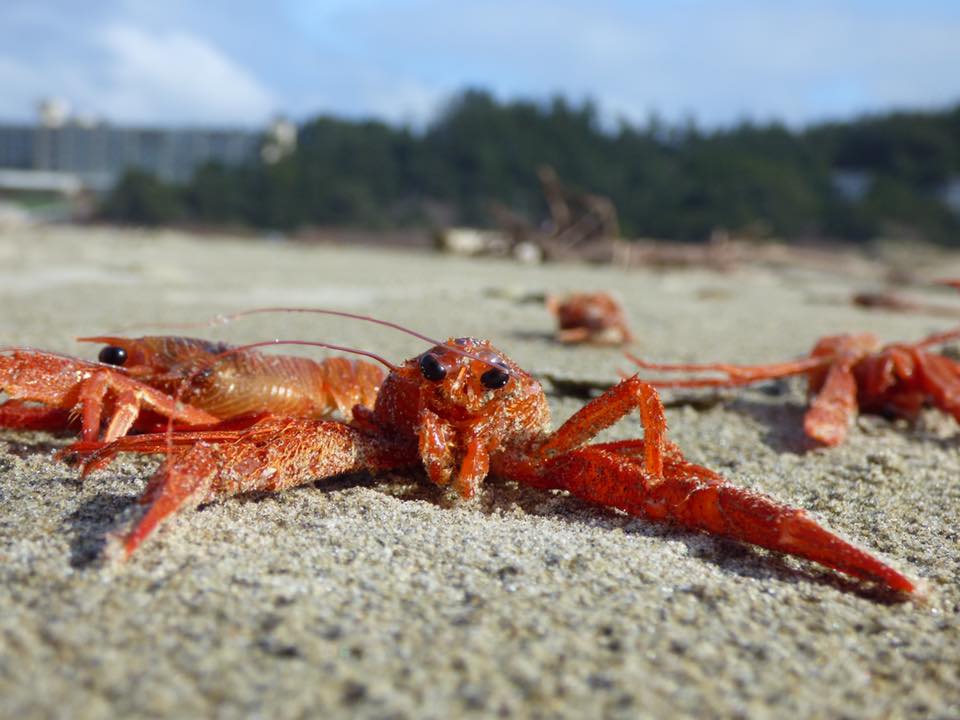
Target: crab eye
495	377
431	368
112	355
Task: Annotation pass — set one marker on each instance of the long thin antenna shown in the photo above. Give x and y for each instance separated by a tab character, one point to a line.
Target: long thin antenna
229	317
336	313
225	318
309	343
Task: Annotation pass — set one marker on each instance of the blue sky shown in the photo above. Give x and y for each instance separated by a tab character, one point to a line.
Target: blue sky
239	63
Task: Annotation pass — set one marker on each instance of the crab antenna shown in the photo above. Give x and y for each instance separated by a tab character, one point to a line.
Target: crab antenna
309	343
223	319
228	317
323	311
352	316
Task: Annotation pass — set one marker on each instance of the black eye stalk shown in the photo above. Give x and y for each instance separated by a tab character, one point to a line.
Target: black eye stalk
112	355
494	378
431	368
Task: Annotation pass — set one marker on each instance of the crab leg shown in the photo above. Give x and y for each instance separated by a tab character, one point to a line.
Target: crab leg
940	377
834	407
735	374
131	396
273	455
95	455
604	411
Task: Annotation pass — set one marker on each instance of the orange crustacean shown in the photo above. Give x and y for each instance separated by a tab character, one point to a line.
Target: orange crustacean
463	410
846	374
141	383
589	317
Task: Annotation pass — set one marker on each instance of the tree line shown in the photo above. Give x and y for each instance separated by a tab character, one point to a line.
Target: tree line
892	174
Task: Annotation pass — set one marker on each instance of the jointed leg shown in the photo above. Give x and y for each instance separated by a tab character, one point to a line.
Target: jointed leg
834	407
940	378
131	396
604	411
735	374
95	455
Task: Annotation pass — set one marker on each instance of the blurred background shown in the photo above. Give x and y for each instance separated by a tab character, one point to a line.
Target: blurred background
541	128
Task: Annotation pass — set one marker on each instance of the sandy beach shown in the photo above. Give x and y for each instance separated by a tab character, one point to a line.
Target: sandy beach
382	598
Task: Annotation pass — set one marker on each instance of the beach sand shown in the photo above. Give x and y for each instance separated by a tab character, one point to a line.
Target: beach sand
382	598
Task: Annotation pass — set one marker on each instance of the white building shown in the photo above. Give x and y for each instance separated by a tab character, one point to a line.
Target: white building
98	153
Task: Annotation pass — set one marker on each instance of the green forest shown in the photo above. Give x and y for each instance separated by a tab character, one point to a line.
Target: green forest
896	174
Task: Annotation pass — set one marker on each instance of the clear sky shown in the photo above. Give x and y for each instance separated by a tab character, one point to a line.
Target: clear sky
240	62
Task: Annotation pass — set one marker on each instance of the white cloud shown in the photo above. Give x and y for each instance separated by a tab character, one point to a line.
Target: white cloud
124	74
175	77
